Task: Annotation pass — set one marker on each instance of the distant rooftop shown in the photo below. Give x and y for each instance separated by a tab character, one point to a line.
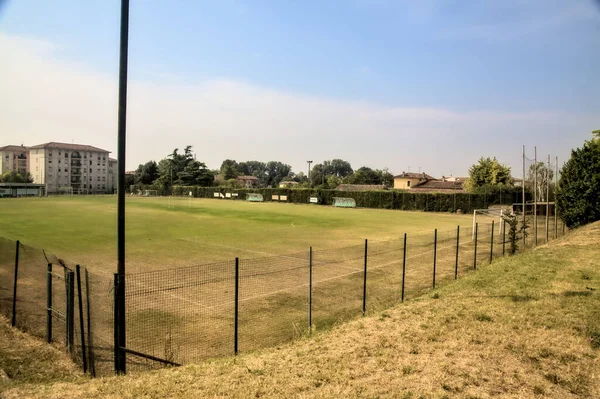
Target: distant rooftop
360	187
14	148
68	146
413	175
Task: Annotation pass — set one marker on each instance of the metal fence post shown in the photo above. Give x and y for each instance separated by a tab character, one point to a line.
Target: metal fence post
81	324
70	310
91	357
49	304
364	306
403	266
236	306
14	304
503	237
475	251
492	243
434	255
310	279
457	248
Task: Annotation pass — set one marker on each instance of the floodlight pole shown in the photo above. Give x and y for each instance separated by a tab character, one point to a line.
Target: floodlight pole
122	122
523	189
309	182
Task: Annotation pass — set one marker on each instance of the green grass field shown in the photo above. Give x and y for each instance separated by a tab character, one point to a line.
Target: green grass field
163	233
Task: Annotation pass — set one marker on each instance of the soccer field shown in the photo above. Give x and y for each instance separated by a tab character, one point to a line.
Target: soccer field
167	233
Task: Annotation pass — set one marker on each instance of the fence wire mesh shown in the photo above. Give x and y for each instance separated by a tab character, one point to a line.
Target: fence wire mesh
185	315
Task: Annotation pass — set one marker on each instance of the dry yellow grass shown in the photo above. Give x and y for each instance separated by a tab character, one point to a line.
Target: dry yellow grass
523	327
30	360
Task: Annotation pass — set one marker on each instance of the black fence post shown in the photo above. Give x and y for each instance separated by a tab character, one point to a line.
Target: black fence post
49	304
116	326
434	255
457	249
310	279
403	266
364	305
236	309
81	324
475	251
70	310
14	304
91	357
503	237
492	243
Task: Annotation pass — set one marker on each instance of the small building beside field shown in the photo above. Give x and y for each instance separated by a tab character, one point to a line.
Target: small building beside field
247	181
439	186
407	180
22	190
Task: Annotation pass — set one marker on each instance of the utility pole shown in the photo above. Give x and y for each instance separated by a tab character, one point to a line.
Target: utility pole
535	190
548	198
309	182
122	131
523	189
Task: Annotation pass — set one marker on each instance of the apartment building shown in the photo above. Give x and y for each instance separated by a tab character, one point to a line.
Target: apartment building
14	157
63	167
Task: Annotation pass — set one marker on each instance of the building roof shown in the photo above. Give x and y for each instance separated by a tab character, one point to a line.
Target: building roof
439	185
67	146
14	148
112	159
247	178
360	187
412	175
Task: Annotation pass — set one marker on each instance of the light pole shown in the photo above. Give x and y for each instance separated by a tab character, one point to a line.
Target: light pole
309	183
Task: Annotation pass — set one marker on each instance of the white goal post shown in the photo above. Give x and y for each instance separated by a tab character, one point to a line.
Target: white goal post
150	193
495	214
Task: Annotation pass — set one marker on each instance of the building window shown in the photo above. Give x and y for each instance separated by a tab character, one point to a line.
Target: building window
49	153
59	153
408	183
58	161
66	155
98	178
90	162
50	161
66	170
90	170
59	169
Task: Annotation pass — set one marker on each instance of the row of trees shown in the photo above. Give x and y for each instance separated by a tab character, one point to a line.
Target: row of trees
183	169
489	175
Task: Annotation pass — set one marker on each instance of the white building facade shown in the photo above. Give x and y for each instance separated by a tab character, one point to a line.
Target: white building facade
14	157
76	168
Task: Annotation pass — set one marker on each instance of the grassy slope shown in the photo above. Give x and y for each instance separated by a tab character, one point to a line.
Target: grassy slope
82	229
527	326
29	360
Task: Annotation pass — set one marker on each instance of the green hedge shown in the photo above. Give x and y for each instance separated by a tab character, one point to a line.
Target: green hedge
382	199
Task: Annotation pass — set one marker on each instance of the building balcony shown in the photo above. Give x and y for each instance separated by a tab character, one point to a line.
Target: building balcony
75	163
75	172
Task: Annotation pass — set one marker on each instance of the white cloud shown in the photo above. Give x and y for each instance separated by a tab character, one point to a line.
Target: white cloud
49	99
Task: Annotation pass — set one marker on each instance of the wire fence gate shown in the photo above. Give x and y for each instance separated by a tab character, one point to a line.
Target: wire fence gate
189	314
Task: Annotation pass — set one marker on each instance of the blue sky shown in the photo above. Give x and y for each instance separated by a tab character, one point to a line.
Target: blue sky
430	84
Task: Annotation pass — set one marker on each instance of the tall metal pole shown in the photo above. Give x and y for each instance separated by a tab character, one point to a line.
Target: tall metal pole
309	182
535	188
548	199
555	201
122	122
523	189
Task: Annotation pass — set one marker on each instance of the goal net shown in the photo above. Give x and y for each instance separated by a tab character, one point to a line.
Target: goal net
253	197
344	202
150	193
486	216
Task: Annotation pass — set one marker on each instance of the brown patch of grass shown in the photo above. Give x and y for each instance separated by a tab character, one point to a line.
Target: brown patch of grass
474	341
28	360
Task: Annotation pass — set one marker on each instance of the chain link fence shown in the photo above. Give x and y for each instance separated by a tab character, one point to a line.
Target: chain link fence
186	315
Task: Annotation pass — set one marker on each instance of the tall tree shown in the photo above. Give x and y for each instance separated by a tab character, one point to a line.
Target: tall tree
229	169
147	173
578	194
488	172
542	176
